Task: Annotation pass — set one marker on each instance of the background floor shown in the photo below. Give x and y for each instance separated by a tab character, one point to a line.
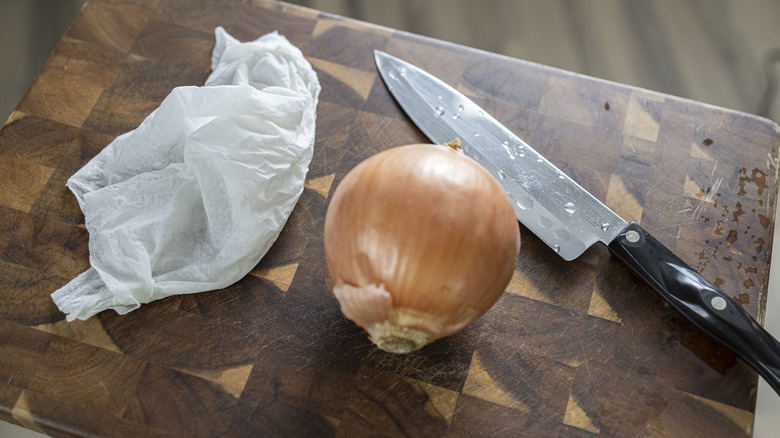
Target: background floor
721	52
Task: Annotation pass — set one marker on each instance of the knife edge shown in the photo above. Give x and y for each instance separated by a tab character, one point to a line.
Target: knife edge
548	202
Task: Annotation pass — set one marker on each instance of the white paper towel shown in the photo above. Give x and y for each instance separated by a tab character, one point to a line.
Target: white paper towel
194	197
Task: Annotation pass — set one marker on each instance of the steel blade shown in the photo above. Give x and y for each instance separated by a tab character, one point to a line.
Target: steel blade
549	203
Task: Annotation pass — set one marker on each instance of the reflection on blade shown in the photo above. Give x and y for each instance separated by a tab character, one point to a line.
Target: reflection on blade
546	201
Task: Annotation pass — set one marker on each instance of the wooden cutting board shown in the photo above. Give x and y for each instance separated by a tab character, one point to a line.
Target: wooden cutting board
572	349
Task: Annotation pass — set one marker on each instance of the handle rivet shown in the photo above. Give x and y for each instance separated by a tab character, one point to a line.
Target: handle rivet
718	303
632	236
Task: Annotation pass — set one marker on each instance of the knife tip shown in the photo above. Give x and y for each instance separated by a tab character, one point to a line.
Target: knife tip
380	57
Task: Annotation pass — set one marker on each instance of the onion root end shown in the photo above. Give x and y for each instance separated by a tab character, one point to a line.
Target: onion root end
395	339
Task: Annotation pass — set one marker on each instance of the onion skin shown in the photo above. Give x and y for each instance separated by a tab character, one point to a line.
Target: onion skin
420	240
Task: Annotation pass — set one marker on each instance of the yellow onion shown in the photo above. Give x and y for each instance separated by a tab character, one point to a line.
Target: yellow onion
420	241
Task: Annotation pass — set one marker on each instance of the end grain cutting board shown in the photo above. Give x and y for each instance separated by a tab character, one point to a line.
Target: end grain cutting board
572	349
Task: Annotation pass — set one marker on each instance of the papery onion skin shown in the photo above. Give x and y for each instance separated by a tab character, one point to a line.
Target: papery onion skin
420	240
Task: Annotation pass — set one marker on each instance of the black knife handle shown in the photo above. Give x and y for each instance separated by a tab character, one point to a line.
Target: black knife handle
699	300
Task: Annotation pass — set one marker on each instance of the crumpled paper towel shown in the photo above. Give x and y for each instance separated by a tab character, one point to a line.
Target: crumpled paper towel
194	197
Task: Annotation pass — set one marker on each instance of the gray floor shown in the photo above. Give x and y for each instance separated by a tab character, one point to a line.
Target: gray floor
29	31
713	51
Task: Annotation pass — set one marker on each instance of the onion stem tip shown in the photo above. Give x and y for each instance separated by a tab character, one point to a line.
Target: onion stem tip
454	144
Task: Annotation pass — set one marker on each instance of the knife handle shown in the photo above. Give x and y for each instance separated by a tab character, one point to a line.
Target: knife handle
699	300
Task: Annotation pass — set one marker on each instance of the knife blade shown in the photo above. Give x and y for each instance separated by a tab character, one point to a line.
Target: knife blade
568	218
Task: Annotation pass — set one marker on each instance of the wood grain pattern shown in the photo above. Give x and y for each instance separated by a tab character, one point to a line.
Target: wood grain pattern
571	349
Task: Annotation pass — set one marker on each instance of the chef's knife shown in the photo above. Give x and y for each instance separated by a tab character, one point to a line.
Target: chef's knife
568	218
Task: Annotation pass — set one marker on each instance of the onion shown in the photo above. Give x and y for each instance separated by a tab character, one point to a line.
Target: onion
420	241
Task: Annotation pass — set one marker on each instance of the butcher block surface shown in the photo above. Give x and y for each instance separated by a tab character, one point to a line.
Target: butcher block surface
571	349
